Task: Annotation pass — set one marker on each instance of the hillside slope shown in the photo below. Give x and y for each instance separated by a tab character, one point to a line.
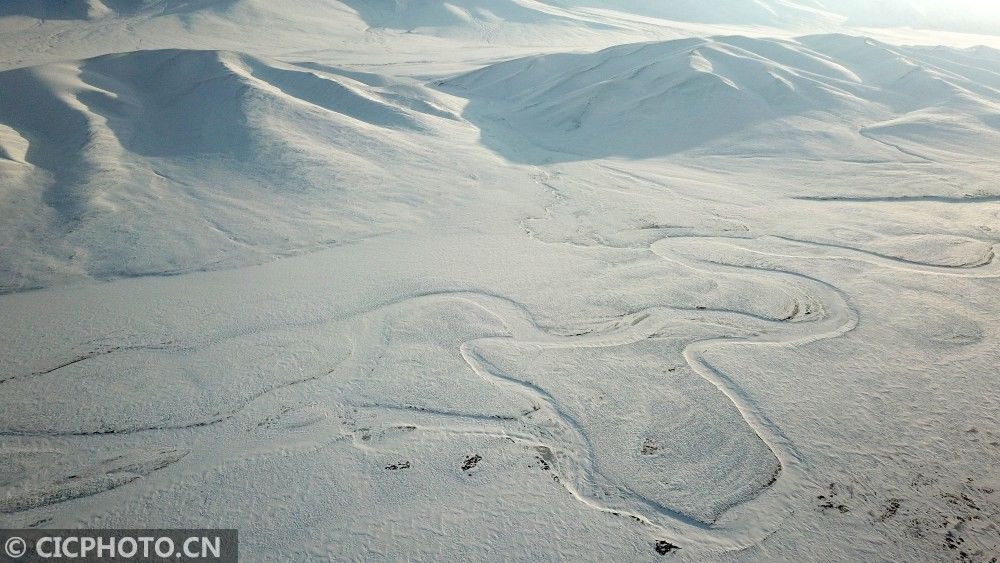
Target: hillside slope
831	96
741	12
165	161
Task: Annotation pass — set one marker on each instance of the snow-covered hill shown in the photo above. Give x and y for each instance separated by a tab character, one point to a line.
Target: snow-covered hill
56	9
152	161
830	96
149	162
972	16
103	9
741	12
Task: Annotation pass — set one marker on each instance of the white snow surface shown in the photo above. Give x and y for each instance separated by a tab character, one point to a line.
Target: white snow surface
505	279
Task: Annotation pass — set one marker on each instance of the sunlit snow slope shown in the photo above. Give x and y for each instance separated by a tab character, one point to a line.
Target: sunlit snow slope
830	96
152	162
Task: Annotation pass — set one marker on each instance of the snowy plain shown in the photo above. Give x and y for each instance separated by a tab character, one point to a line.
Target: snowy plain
505	279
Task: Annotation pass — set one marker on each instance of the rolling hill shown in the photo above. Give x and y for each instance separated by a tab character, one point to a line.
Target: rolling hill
827	96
